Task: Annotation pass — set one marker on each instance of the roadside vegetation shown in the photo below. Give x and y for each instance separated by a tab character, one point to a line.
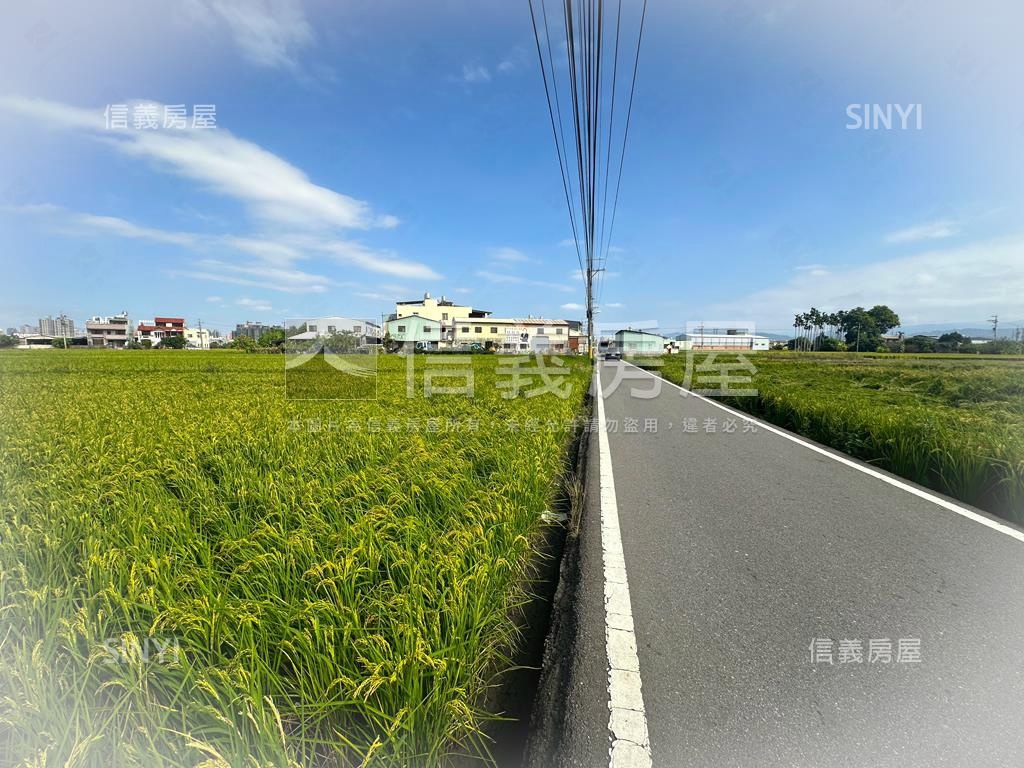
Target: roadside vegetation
196	570
953	423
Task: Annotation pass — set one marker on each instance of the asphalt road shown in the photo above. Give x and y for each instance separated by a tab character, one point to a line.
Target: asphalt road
742	548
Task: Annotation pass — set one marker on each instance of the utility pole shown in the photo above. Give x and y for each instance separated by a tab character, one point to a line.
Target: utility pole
858	338
590	306
995	325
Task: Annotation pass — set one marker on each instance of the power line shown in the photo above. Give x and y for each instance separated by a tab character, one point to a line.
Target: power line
587	186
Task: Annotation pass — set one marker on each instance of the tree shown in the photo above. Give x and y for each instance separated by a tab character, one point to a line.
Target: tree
244	343
885	319
831	344
951	342
173	342
8	341
341	343
919	344
860	330
273	338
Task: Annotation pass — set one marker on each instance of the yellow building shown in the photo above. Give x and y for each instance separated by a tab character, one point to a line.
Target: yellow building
442	311
522	335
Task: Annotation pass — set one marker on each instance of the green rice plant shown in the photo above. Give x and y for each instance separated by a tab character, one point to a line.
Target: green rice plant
333	589
952	423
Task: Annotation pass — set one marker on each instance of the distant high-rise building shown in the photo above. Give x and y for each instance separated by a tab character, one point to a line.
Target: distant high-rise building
62	325
253	330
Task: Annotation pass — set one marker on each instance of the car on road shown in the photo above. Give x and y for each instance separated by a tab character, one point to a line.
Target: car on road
612	356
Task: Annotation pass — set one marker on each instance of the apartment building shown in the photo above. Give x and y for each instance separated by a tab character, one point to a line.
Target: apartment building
522	335
414	330
197	338
442	311
62	325
112	332
160	329
253	330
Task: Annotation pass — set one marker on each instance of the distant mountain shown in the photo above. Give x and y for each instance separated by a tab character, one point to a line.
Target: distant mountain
972	329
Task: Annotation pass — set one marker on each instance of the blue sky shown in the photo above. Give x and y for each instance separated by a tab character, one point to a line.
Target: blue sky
370	151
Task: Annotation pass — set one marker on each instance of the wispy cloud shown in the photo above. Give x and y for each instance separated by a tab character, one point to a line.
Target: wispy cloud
297	219
273	191
269	33
274	257
974	280
933	230
613	305
475	73
572	305
508	255
257	276
259	305
123	228
502	277
814	270
515	60
578	275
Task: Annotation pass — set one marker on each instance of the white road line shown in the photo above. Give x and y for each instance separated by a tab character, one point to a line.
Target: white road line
627	721
969	514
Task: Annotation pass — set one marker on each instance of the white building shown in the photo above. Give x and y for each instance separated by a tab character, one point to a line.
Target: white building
197	338
414	331
636	342
723	339
522	335
62	325
442	311
369	333
112	332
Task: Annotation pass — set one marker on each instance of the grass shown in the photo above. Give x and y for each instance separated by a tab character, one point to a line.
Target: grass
336	580
952	423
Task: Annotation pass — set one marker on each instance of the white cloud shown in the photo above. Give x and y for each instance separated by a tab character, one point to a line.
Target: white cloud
572	305
516	59
259	305
508	255
297	217
475	73
974	280
256	276
274	191
358	255
268	32
613	305
578	275
123	228
814	270
502	277
215	299
933	230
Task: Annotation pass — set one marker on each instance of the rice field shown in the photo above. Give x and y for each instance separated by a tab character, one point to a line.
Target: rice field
197	570
952	423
